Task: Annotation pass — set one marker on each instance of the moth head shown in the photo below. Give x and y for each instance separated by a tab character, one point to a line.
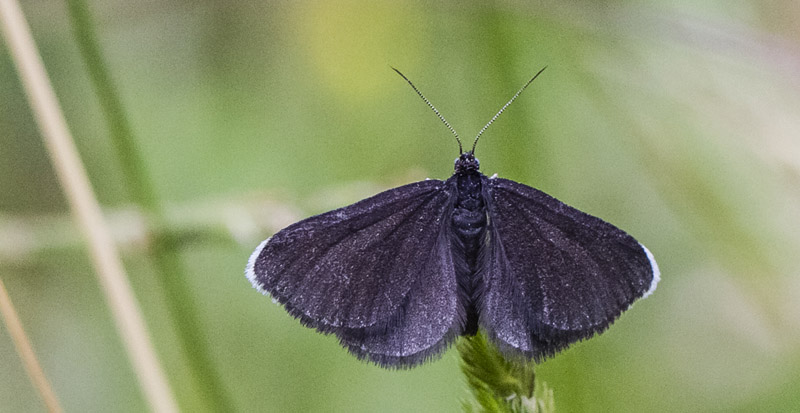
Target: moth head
467	163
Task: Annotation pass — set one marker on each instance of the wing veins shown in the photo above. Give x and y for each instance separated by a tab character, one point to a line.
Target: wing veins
414	202
516	206
389	233
338	241
365	227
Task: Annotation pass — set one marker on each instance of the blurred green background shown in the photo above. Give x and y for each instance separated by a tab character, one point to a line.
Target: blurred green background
676	121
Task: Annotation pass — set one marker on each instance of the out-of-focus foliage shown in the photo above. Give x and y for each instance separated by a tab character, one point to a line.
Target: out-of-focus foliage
678	122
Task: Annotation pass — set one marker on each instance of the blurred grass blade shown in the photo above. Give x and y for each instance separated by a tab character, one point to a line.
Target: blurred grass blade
164	247
84	205
26	353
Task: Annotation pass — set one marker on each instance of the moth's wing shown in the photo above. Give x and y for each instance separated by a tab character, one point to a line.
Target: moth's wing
431	317
353	268
552	274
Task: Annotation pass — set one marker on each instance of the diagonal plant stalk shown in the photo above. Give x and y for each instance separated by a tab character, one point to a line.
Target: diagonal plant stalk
498	384
26	353
85	208
163	247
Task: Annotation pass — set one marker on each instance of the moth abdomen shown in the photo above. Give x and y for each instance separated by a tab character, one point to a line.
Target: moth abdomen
469	223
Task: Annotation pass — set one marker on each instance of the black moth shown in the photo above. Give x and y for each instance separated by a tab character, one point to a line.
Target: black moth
399	276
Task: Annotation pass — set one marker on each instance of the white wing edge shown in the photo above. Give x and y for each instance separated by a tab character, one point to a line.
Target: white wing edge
249	271
656	272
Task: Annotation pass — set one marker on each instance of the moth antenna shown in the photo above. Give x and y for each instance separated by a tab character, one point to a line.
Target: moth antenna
519	92
460	149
